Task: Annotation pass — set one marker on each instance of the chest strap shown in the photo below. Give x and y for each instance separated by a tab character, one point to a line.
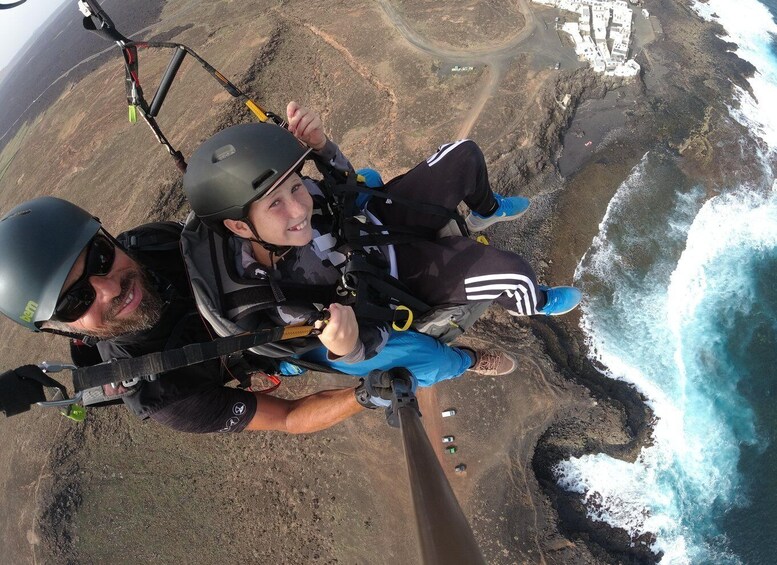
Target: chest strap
262	297
119	370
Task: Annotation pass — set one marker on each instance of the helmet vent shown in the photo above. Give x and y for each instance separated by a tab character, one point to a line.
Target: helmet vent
223	153
258	181
19	213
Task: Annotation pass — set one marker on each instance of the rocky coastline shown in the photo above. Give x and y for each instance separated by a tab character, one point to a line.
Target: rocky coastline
678	107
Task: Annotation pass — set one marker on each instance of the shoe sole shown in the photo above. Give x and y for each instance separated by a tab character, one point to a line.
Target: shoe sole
490	221
560	313
513	367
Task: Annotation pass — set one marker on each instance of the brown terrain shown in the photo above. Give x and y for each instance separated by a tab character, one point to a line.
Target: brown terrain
386	77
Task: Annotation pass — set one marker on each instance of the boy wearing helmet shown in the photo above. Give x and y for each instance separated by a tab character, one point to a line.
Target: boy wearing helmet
270	227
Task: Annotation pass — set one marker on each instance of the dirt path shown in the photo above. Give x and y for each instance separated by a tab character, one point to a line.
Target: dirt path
482	55
494	58
480	102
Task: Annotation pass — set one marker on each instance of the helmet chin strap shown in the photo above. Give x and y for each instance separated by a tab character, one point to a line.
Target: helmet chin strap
276	251
72	335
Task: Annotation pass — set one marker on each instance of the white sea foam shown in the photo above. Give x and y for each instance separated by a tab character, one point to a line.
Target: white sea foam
654	336
653	323
744	220
750	25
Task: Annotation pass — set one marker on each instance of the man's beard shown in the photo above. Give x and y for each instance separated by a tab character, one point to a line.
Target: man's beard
145	316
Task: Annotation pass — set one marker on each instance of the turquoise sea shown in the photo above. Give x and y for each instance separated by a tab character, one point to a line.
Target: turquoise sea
682	302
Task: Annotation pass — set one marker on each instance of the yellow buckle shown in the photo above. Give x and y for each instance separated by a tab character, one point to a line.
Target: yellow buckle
408	322
482	239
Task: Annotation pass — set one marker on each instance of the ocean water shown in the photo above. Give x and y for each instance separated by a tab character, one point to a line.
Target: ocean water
682	302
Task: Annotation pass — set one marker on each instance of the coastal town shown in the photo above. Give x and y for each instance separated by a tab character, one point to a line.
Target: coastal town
601	34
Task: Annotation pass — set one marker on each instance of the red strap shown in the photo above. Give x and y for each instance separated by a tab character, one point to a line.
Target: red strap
274	379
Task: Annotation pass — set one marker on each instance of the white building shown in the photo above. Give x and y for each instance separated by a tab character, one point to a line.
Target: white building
602	34
585	20
628	69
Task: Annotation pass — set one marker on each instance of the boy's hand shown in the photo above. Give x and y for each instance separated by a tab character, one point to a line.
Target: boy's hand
306	126
341	333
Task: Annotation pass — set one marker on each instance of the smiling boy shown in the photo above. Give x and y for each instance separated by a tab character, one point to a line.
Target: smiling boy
259	222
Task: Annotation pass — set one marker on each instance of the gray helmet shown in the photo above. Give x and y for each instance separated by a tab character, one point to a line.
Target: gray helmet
40	241
238	165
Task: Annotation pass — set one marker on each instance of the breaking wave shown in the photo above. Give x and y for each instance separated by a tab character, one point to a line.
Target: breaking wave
680	303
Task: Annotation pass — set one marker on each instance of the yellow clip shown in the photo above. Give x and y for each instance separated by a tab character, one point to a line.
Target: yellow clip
257	110
407	323
292	332
133	113
482	239
360	178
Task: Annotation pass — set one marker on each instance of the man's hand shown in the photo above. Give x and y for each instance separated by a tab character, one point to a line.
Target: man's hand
375	390
21	388
306	126
340	333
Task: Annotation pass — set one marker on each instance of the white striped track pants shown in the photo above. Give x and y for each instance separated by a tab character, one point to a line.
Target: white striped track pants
456	270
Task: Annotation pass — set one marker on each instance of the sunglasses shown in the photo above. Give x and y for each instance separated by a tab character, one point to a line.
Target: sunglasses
100	253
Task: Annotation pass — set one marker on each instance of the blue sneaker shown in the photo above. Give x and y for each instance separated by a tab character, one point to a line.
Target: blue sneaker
372	177
510	208
289	369
561	299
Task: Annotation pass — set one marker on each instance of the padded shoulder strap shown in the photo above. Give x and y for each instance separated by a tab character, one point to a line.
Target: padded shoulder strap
156	236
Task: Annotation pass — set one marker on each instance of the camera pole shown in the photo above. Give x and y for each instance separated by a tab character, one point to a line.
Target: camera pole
445	535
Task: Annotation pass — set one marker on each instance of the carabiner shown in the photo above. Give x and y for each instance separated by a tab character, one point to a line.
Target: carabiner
407	323
348	282
60	399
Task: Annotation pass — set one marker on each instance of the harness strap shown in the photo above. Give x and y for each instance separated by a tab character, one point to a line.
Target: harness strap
358	234
261	297
158	236
118	370
370	279
312	366
344	188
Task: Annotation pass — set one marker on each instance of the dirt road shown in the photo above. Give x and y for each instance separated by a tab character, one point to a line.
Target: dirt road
494	57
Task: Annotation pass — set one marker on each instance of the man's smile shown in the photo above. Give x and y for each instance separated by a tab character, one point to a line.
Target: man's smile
129	300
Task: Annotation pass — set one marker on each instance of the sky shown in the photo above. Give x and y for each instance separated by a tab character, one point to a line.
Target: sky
18	24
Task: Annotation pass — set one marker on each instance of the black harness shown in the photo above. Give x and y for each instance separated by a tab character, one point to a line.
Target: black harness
374	293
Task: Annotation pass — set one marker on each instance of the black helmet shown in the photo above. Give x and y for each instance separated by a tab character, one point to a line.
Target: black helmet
40	241
238	165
